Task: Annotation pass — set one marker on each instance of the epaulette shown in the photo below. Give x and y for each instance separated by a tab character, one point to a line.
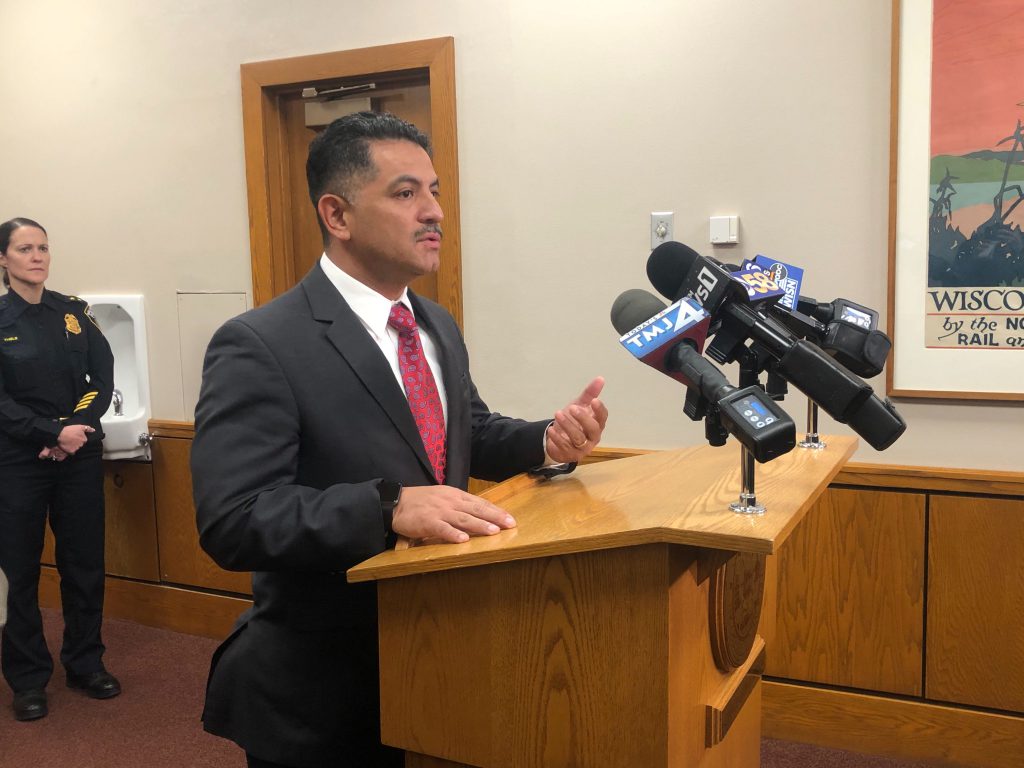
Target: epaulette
66	299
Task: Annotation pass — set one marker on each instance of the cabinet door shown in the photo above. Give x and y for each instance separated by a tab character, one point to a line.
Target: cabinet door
976	602
182	560
131	540
850	600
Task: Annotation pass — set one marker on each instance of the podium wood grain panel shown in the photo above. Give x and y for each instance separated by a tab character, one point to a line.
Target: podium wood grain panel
679	497
182	560
596	659
976	602
850	595
582	637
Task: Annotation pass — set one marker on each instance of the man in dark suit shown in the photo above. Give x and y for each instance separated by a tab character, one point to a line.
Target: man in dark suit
321	435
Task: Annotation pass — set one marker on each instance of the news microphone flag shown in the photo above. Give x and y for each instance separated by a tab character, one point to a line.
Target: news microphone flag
786	276
653	339
758	284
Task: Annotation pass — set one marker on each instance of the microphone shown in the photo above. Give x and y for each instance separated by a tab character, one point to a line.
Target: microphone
651	332
851	334
844	329
676	270
668	339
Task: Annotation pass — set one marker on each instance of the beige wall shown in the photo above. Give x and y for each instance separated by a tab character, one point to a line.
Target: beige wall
120	130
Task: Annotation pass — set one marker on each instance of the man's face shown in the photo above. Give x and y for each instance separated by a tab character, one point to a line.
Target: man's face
394	232
27	258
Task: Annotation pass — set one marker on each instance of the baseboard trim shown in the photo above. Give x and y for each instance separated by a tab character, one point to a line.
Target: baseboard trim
896	728
188	611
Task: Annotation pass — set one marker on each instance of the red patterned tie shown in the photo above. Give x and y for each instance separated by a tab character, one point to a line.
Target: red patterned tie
420	387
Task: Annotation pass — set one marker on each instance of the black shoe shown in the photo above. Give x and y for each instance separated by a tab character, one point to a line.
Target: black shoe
30	704
97	685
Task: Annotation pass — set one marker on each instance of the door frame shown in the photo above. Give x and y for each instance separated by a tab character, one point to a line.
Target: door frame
262	124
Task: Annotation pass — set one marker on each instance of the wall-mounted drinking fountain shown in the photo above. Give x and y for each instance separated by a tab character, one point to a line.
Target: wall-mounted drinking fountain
122	319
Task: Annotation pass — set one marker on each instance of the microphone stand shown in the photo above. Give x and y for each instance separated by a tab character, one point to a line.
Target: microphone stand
747	503
811	440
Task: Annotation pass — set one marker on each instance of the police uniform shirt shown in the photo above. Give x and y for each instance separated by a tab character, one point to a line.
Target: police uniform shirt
56	368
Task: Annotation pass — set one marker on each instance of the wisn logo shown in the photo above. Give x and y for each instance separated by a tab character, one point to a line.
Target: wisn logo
786	276
668	326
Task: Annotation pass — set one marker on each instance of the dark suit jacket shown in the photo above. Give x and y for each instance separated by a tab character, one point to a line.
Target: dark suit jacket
298	418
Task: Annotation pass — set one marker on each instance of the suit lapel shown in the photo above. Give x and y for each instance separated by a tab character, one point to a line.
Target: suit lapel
352	341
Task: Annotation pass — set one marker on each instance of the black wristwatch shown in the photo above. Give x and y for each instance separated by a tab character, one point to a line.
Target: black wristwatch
390	492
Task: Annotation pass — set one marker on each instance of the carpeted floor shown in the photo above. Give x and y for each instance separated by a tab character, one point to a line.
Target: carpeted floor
155	722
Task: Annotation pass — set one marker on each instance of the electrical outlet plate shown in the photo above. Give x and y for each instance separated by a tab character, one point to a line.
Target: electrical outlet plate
662	227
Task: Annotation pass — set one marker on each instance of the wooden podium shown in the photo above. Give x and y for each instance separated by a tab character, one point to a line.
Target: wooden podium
615	627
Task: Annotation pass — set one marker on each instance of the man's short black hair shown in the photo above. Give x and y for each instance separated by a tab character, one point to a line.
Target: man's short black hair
339	158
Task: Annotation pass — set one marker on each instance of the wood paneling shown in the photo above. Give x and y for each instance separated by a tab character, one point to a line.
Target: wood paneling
909	730
976	602
131	537
850	603
182	560
933	479
131	540
157	605
167	428
48	556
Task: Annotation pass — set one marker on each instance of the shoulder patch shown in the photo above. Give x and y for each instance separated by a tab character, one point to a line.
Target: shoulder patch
88	313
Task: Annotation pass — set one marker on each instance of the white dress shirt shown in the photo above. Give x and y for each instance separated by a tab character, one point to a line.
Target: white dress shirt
373	311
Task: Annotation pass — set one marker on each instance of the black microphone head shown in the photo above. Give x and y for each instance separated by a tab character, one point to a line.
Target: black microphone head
634	307
667	268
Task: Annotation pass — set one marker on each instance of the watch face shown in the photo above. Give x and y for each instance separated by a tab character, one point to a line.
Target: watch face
389	491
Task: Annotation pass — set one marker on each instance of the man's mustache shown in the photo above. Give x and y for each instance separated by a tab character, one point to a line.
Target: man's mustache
430	229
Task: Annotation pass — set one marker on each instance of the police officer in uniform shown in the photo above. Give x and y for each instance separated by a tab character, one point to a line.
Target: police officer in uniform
56	380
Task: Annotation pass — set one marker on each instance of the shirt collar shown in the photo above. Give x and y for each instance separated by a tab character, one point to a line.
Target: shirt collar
370	307
17	304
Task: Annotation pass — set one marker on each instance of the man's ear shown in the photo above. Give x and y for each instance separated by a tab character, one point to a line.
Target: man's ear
333	211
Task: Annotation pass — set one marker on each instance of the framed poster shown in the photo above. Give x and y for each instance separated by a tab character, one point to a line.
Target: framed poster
956	252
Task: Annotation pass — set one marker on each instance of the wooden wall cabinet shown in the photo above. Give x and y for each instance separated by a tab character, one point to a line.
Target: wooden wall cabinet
131	534
849	609
899	619
976	602
182	560
131	538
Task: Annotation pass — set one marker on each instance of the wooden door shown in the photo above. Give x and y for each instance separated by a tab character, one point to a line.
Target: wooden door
415	81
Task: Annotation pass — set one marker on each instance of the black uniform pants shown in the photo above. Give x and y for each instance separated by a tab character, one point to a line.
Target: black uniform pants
72	492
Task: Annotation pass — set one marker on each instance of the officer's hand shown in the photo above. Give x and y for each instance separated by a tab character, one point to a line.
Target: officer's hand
443	513
73	437
53	454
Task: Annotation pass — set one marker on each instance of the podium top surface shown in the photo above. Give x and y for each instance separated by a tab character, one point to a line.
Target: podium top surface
677	497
